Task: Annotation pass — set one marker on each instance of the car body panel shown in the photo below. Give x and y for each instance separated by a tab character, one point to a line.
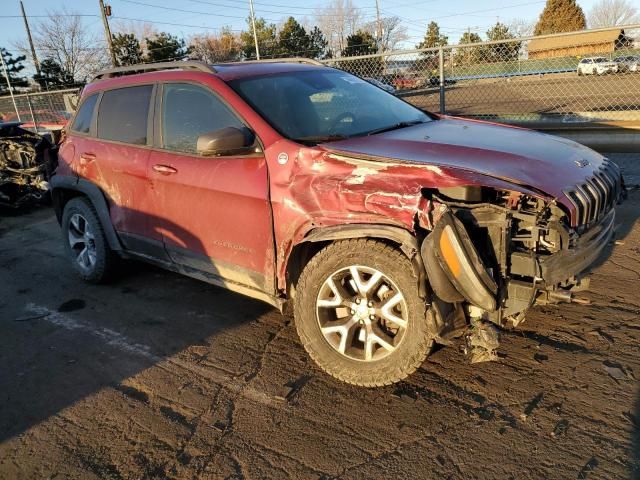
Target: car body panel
244	216
520	156
218	210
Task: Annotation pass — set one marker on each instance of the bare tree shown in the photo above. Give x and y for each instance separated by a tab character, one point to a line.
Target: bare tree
338	20
63	37
609	13
141	30
215	48
520	27
393	32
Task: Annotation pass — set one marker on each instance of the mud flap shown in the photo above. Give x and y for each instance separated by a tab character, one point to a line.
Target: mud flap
454	268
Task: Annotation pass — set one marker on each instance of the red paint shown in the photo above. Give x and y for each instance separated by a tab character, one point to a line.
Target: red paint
251	211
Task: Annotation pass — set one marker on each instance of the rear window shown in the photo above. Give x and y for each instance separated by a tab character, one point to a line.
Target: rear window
123	113
82	122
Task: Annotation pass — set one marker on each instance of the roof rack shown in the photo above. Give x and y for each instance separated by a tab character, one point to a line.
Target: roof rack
309	61
153	67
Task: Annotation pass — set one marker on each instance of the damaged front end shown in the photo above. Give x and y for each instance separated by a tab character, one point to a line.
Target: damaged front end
491	254
25	166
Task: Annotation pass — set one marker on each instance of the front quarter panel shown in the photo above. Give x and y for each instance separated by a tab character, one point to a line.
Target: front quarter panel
312	188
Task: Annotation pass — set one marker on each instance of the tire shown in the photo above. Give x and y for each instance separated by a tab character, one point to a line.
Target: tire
410	344
82	228
579	72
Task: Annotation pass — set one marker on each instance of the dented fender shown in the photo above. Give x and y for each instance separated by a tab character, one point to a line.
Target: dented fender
317	188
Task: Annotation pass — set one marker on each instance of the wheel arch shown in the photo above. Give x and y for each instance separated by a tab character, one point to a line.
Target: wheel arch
64	188
317	238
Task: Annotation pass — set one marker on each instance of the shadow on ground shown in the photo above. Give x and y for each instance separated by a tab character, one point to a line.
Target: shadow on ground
63	340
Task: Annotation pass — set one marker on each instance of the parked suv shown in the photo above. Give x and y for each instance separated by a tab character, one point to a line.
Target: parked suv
596	66
629	63
387	229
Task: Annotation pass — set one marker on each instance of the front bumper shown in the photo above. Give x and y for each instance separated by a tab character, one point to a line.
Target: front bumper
457	274
573	262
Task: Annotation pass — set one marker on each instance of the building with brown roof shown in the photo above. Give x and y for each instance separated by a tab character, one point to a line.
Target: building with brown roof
578	44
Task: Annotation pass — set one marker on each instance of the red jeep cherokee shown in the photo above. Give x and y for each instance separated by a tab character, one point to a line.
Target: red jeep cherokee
388	229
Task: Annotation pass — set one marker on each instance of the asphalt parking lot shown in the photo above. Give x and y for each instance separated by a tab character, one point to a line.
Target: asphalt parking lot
534	96
161	376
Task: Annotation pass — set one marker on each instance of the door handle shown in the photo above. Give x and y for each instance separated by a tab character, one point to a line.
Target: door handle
86	158
164	169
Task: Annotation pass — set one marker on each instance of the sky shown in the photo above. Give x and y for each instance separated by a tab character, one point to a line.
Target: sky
200	16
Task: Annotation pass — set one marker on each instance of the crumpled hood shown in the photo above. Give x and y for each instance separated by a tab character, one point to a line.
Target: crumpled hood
524	157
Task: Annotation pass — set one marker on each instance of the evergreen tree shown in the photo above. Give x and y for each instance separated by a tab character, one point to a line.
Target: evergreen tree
14	67
468	55
500	52
318	45
560	16
362	43
267	40
293	40
165	47
432	38
52	75
127	49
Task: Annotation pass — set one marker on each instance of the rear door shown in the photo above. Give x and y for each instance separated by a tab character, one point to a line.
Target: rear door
120	156
214	212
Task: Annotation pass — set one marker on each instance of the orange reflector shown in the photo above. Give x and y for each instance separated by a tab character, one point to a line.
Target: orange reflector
448	252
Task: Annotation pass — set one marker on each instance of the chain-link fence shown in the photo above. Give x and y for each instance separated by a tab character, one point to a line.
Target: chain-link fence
590	76
585	77
40	111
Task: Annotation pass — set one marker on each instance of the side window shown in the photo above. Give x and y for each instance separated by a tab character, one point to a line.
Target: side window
189	111
122	114
82	122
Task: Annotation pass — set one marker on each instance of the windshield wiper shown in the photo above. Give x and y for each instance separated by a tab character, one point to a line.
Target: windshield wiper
320	138
395	126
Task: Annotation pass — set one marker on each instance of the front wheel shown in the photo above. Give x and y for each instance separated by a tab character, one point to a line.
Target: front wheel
359	315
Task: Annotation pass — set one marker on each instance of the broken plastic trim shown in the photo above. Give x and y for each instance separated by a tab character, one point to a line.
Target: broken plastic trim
448	251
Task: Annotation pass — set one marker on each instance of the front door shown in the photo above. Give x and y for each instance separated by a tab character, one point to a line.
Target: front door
213	212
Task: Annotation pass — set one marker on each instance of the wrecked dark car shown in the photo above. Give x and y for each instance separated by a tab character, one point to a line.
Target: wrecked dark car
25	165
384	228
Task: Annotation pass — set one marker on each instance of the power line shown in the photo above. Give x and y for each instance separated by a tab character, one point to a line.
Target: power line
175	9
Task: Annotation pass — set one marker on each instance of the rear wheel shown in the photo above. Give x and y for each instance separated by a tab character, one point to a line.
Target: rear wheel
359	315
85	242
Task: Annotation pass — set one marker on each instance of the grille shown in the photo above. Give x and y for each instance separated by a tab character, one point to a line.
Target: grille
597	195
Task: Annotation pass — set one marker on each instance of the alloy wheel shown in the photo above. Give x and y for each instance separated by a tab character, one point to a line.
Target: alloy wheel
361	313
82	242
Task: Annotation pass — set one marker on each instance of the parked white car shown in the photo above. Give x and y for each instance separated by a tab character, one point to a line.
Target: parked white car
596	66
630	63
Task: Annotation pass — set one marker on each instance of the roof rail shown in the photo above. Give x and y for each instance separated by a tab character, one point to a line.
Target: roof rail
153	67
310	61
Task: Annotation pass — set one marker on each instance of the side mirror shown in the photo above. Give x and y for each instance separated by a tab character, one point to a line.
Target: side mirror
226	141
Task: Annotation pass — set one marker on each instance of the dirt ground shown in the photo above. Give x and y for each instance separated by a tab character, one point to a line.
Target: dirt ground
160	376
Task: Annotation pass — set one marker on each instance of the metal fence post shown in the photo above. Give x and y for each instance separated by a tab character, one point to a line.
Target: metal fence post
441	68
33	117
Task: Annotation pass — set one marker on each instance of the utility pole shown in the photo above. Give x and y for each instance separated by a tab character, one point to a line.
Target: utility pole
105	11
33	50
379	27
6	76
253	24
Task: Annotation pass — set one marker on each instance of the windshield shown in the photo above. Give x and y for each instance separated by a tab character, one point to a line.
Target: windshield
323	105
600	60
